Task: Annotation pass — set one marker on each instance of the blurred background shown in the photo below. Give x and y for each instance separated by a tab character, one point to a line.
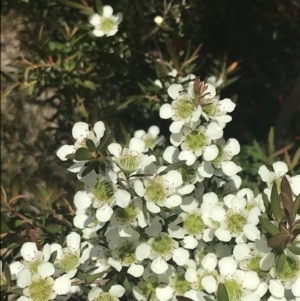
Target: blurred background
54	72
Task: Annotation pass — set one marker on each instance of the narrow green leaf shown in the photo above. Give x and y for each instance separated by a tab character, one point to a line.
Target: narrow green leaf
127	285
93	277
145	211
208	299
72	4
110	283
90	145
278	240
280	262
149	297
98	7
173	166
173	54
287	204
90	167
83	154
53	257
105	140
171	219
287	195
89	84
294	249
275	204
296	206
271	146
15	185
37	193
182	298
222	293
18	291
266	201
7	274
268	226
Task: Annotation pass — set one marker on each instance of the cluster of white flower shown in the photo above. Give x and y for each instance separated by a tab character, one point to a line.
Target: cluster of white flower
156	219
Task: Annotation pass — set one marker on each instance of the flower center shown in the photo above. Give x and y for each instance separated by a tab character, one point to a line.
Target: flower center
209	109
127	214
107	25
221	156
234	289
106	297
149	288
188	173
181	285
127	254
195	140
254	264
149	141
40	290
69	262
33	265
290	270
185	108
162	245
129	162
156	192
193	224
236	222
104	191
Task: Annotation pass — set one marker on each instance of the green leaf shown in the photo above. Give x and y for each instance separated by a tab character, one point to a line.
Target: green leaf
92	165
145	211
294	249
127	285
149	297
182	298
287	195
128	101
268	226
93	277
110	283
4	227
53	257
18	291
83	154
222	293
271	146
208	299
275	203
90	145
266	201
7	274
89	84
15	185
173	54
171	219
98	5
278	240
73	4
104	140
280	262
296	206
173	166
37	193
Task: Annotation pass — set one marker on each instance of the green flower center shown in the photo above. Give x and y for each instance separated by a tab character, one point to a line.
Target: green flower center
156	192
290	270
149	141
127	214
69	262
221	156
40	290
181	285
162	245
188	173
254	264
149	288
104	191
129	162
236	223
107	25
234	289
106	297
127	254
185	108
33	265
193	224
195	141
209	109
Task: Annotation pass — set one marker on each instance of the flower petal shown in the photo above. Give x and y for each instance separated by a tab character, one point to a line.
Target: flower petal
165	111
104	213
115	149
107	11
174	90
73	241
136	270
62	285
170	154
123	198
99	129
95	19
181	256
210	152
159	265
117	290
82	200
46	269
64	151
176	126
24	278
29	251
80	130
142	251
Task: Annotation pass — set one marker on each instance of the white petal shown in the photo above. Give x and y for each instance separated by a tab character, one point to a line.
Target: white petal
136	270
264	173
82	200
15	268
62	285
23	298
142	251
46	252
159	265
229	168
188	156
115	263
107	11
296	288
227	266
73	241
164	292
80	220
46	269
251	297
227	105
232	147
173	178
280	168
181	256
165	111
123	198
154	131
209	283
137	145
186	189
139	188
76	167
217	214
214	131
210	152
173	201
174	90
99	129
206	169
64	151
170	154
24	278
238	204
29	251
210	91
80	130
191	275
208	235
267	261
209	262
139	134
241	251
153	208
176	139
104	213
176	126
98	33
251	280
262	289
276	288
223	234
115	149
95	19
189	242
94	293
251	232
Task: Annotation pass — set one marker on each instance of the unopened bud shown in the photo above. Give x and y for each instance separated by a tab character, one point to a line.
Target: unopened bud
158	20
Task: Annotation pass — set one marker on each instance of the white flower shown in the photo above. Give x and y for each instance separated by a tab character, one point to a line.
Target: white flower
114	293
159	190
32	258
150	138
131	158
181	110
68	259
40	286
106	24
